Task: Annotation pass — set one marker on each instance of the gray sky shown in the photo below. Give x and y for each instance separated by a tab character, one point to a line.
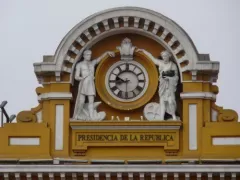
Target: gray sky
31	29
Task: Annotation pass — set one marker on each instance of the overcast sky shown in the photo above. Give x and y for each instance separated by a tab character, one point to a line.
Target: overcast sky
30	29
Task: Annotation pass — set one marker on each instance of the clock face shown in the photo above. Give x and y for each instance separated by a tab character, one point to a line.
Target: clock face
126	81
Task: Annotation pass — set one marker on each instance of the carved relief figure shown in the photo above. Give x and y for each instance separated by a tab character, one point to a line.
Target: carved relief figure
168	81
85	74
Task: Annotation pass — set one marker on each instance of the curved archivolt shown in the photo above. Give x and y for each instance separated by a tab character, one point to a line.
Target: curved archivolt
123	24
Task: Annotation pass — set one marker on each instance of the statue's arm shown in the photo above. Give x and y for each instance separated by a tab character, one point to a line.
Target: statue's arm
153	59
110	53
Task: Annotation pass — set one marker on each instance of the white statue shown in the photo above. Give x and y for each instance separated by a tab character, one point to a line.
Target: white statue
85	74
168	81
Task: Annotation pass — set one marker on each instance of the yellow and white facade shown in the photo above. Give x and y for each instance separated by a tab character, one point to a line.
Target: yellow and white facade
47	143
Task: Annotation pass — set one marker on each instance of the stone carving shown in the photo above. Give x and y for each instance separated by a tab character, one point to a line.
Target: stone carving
152	111
26	117
126	50
168	81
85	74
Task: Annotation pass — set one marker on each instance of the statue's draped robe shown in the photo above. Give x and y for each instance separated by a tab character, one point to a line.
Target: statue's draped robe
167	88
86	86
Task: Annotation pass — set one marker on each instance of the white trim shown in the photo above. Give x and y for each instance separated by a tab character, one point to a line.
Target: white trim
55	95
214	115
193	168
192	126
218	160
24	141
226	141
59	121
80	127
169	26
70	160
181	160
39	116
198	95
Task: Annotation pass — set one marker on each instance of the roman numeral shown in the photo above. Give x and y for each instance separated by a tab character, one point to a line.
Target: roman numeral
126	95
135	92
127	67
114	88
139	73
120	94
112	81
141	80
119	68
139	88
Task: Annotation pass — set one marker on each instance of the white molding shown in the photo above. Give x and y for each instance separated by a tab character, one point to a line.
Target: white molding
198	95
58	160
55	95
214	115
59	124
205	168
123	127
24	141
148	15
181	160
192	127
227	141
39	116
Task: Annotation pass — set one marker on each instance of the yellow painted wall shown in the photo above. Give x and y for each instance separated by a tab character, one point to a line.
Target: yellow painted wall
226	124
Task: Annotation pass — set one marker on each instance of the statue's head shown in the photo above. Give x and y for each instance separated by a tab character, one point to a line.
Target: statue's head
165	56
87	54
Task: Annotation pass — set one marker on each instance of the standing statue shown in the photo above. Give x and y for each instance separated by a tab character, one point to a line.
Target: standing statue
168	81
85	74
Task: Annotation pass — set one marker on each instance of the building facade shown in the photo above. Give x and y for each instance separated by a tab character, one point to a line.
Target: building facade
125	96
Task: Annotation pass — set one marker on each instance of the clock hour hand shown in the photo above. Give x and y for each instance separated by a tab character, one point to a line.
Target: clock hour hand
120	79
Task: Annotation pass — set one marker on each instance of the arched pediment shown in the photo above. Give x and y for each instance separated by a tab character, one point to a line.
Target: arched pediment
126	20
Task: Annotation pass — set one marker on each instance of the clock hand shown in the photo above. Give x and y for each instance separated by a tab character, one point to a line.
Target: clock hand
118	78
126	88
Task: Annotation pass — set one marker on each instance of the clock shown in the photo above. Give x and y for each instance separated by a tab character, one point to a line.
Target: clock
126	81
126	85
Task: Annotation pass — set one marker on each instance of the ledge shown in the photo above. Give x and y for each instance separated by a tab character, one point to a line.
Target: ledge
206	168
131	125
